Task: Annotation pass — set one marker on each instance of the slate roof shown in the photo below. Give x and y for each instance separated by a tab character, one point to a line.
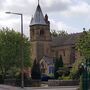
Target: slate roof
38	17
65	40
48	60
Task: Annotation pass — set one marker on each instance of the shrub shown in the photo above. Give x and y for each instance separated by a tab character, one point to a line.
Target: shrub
65	78
75	72
58	63
35	72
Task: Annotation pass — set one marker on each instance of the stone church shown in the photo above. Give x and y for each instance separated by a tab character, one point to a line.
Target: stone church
45	47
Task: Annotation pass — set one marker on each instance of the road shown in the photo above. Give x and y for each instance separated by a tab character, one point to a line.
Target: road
3	87
57	89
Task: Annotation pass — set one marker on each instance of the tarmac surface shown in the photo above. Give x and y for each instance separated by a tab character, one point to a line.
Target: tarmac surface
5	87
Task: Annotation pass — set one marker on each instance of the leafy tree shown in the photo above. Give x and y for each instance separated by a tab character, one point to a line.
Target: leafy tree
58	64
60	61
10	43
83	47
36	72
56	68
75	72
55	33
83	44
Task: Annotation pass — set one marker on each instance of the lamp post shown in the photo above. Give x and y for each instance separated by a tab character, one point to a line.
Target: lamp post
22	64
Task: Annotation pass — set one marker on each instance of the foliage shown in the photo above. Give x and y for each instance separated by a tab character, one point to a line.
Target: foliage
75	73
56	68
55	33
51	75
83	44
84	48
35	72
64	71
64	78
58	64
10	51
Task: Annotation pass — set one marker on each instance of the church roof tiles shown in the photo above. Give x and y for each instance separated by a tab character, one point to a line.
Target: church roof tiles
38	17
65	40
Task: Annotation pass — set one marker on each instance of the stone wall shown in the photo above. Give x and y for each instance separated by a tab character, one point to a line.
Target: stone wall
63	83
27	83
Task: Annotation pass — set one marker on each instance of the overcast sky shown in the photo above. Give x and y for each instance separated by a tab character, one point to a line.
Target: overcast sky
69	15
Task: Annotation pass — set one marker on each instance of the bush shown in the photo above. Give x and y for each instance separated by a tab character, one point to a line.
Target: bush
67	78
58	63
64	78
75	72
64	71
1	79
35	72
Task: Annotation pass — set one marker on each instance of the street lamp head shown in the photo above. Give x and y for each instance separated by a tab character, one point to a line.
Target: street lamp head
14	13
8	12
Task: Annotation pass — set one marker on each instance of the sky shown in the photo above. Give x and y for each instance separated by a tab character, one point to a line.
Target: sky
69	15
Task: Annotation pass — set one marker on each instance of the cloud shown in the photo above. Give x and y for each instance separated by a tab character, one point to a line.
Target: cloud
55	5
64	14
28	7
2	4
13	21
81	8
21	6
62	26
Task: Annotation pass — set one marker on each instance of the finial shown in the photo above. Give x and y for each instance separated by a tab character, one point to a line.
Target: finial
38	2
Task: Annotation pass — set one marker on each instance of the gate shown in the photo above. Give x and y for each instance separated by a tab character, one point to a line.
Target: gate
85	77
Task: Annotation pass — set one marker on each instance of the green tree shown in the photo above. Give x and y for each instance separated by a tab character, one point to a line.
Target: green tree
56	68
83	44
83	47
36	72
10	43
75	72
60	61
55	33
57	65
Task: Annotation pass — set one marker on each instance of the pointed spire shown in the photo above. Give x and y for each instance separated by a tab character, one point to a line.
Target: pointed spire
38	17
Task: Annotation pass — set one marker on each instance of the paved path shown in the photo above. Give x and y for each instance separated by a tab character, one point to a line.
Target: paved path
60	88
3	87
56	88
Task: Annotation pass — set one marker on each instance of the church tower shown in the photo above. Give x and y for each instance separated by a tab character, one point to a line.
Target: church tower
40	36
